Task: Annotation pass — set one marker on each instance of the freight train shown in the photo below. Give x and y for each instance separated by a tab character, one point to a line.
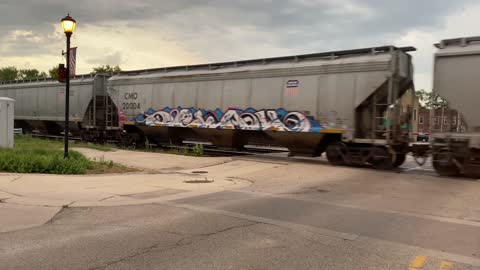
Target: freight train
344	104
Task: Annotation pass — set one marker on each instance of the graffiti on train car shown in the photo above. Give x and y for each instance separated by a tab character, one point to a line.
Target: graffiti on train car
249	119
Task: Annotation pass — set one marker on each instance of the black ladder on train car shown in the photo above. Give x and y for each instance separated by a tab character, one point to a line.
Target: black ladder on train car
91	114
100	109
102	114
389	115
109	121
381	121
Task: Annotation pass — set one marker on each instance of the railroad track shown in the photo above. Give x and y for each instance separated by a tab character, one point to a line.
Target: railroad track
215	151
55	137
189	146
270	153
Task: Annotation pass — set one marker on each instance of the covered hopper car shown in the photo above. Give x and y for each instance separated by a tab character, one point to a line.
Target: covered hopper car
39	107
344	103
457	79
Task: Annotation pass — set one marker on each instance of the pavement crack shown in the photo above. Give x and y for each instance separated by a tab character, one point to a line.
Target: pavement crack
28	204
11	193
215	164
175	233
55	217
3	200
106	198
16	178
231	228
68	205
180	243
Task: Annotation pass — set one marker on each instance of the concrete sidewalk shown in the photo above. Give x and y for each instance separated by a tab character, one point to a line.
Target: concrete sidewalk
153	162
32	199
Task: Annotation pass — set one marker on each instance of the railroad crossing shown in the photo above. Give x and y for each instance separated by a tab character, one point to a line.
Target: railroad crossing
274	208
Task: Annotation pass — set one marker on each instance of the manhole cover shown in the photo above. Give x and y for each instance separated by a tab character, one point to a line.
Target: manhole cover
154	194
199	181
200	172
310	191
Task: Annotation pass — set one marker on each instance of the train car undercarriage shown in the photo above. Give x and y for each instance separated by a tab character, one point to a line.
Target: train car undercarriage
453	155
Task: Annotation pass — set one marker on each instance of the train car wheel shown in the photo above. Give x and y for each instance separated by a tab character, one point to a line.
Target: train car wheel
444	165
336	153
399	160
472	172
381	158
472	167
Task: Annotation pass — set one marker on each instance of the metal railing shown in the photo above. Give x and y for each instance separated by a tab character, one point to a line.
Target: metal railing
283	59
49	79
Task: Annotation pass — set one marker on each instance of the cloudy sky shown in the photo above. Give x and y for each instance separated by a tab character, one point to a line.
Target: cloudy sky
155	33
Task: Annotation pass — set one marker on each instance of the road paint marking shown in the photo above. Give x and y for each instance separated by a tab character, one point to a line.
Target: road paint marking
445	265
418	263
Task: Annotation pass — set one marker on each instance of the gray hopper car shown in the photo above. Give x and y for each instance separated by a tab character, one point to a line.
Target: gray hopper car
344	103
39	106
457	79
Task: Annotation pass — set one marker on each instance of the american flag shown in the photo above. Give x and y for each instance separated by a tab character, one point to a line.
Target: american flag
73	61
292	88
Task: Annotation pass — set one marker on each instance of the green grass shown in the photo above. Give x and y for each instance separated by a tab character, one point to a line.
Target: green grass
38	160
33	155
197	150
99	147
29	142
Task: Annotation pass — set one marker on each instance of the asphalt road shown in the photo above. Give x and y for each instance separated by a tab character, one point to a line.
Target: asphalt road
294	216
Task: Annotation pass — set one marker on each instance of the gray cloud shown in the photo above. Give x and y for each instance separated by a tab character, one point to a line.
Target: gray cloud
221	30
28	43
107	59
386	16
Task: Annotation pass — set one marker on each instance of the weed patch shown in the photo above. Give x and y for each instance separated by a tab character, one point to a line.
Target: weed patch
34	155
43	161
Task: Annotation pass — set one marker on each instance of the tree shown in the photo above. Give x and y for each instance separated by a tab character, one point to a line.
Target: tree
106	69
12	73
31	74
8	73
53	72
431	100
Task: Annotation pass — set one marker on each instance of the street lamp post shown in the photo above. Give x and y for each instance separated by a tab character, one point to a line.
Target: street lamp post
68	25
